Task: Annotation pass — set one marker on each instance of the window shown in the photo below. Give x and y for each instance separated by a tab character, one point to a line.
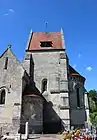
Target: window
6	63
64	101
78	97
44	85
2	97
71	78
46	44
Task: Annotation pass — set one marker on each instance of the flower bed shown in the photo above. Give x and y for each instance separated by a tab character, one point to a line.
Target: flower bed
75	135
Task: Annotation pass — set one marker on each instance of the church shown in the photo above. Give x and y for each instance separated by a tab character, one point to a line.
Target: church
43	90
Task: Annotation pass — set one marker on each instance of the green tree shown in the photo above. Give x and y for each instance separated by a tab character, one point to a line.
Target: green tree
93	118
93	106
93	94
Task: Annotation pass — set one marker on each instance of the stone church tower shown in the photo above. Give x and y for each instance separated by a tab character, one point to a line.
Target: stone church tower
60	85
43	90
50	73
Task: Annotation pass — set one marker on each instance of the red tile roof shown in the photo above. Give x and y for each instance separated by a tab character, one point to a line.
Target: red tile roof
37	37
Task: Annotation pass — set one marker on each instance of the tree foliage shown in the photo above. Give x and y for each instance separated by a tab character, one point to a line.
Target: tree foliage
93	118
93	106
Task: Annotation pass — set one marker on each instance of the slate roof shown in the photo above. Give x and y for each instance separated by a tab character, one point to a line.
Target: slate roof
73	72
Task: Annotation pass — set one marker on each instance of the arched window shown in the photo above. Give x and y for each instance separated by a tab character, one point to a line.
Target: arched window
2	97
78	97
44	85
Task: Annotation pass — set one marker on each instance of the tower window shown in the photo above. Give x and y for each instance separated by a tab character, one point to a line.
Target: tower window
2	97
65	101
6	63
46	43
78	97
44	85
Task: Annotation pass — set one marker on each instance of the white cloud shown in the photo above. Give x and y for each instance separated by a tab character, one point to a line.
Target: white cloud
89	68
74	66
6	14
79	55
11	10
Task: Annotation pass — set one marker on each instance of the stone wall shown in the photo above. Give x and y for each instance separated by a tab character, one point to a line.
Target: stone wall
32	112
46	65
78	114
11	81
51	65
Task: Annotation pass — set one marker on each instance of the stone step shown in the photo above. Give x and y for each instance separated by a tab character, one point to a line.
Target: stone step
45	137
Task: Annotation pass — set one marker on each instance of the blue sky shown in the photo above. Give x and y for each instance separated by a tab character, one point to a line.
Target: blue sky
78	18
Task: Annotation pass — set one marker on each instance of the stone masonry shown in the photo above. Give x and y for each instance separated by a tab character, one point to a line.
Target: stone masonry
43	90
11	81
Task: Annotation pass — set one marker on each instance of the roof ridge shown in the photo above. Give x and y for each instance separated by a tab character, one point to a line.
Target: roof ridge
29	40
75	71
3	52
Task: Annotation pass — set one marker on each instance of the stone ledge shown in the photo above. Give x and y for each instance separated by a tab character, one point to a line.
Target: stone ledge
64	107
